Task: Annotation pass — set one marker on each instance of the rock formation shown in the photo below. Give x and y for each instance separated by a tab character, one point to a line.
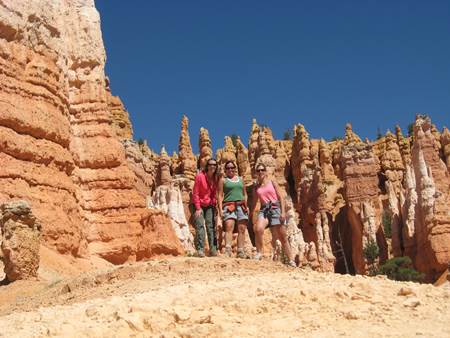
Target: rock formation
393	170
59	148
164	176
120	118
188	166
243	162
142	161
20	240
360	169
432	219
445	140
205	148
158	236
168	199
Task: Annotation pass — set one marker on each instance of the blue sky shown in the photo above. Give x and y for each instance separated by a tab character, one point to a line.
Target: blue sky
320	63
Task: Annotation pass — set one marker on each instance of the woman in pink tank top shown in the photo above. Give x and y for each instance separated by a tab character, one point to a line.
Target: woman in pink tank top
271	213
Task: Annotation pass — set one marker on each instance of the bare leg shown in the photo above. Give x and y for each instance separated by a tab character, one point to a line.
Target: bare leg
259	228
274	243
242	227
229	226
282	236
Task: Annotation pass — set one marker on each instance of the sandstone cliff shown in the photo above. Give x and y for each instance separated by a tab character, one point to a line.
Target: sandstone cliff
60	129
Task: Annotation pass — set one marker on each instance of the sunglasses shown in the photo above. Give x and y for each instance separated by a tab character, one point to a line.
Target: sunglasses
230	168
260	170
212	164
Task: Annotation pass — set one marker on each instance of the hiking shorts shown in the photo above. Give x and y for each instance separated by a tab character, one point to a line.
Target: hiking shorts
237	214
273	216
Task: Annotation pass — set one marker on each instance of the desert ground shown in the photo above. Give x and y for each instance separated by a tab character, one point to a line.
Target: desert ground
218	297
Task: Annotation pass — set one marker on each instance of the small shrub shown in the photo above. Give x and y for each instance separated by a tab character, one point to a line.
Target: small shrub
287	135
379	134
387	224
401	269
371	251
234	138
336	138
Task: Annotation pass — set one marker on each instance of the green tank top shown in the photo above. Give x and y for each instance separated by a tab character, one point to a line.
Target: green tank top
233	191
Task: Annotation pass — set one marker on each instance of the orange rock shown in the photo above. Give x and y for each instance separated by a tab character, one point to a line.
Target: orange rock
20	241
188	165
445	139
204	146
59	141
158	236
120	118
432	221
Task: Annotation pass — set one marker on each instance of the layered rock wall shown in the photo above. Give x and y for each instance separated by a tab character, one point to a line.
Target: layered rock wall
59	140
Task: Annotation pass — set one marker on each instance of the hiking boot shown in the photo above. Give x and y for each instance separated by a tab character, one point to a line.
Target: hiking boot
257	256
292	264
213	253
228	251
241	254
200	253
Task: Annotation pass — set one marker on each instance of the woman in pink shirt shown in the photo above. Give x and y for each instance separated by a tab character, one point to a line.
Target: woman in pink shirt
204	201
271	213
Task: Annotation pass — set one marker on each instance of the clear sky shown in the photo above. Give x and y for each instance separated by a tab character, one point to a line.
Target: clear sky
319	63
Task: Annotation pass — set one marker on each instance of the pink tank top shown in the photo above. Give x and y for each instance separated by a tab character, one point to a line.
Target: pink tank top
267	193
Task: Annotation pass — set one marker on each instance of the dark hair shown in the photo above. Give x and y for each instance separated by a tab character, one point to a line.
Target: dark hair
205	169
261	165
228	162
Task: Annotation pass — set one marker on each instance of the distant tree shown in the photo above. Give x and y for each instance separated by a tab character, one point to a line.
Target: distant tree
234	138
387	224
371	252
287	135
336	138
140	141
411	129
379	134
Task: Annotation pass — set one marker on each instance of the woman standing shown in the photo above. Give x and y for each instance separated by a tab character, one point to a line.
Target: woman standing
271	214
204	200
232	204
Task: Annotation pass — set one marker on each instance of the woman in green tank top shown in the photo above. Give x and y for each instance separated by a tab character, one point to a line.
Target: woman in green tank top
232	203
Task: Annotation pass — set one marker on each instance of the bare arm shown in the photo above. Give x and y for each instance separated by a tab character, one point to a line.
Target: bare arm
254	200
280	198
220	196
244	190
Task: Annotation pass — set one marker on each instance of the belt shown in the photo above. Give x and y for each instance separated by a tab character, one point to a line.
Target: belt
231	206
268	207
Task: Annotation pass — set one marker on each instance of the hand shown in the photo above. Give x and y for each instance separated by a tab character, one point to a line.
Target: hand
283	218
198	213
219	222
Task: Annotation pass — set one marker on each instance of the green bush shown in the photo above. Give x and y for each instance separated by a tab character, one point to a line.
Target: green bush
371	251
234	138
400	269
287	135
387	224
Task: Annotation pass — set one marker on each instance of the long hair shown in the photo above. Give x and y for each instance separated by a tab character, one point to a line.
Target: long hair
205	169
258	166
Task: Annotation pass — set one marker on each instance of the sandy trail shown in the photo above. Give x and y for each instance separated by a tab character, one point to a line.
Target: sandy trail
218	297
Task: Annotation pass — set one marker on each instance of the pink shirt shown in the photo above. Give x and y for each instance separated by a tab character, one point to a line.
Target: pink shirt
266	193
204	193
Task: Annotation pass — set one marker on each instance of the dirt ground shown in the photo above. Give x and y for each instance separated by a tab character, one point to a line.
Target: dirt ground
219	297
